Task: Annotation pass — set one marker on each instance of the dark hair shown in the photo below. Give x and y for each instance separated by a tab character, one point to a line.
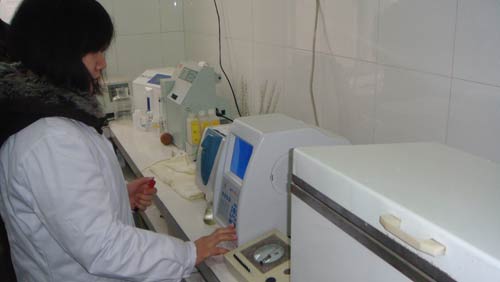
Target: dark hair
50	37
4	27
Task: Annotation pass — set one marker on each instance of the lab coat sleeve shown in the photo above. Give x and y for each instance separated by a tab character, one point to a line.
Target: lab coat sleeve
76	208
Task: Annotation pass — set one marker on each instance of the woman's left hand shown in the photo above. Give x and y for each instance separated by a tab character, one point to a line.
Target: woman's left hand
141	192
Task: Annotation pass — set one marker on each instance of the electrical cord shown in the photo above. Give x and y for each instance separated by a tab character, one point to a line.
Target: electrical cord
222	114
311	81
220	61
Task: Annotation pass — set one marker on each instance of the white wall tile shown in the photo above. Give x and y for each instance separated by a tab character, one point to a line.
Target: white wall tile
410	106
200	16
111	54
269	65
202	47
477	48
344	92
237	59
301	25
108	6
417	34
408	44
134	57
236	16
474	119
172	48
297	98
171	15
349	28
188	15
271	21
135	17
347	105
112	60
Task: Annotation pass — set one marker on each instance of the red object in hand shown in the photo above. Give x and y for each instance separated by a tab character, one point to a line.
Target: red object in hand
152	183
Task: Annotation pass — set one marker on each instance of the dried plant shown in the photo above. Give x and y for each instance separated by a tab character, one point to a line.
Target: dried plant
244	108
268	98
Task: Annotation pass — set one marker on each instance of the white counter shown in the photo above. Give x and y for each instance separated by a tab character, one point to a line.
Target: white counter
141	150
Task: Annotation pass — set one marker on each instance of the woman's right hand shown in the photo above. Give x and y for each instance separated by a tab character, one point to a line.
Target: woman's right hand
207	246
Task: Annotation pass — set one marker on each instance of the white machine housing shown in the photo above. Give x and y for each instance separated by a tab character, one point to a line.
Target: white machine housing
216	153
254	193
440	195
148	85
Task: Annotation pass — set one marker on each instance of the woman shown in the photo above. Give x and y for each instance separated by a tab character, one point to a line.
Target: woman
63	197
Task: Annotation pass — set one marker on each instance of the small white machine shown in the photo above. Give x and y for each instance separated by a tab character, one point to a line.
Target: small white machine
190	90
254	191
394	212
116	89
209	166
147	92
266	258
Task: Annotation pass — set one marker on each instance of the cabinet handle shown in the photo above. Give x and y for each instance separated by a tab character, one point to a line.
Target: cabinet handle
429	246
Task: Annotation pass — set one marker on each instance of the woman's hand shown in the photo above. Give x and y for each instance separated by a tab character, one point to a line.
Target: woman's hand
207	246
141	192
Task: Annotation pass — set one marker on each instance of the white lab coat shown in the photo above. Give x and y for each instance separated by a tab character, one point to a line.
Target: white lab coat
66	209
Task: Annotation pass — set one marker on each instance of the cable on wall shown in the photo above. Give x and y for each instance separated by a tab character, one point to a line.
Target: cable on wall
311	81
220	61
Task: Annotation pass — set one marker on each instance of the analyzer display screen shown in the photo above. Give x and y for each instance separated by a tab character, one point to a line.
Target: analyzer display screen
188	75
242	151
156	78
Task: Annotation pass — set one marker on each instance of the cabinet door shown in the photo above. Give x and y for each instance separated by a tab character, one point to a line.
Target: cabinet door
321	251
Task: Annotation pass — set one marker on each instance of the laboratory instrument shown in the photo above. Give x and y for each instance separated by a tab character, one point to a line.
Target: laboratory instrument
209	166
190	90
394	212
115	100
266	258
147	95
122	104
254	191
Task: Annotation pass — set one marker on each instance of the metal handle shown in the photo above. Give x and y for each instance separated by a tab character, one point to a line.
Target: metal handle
429	246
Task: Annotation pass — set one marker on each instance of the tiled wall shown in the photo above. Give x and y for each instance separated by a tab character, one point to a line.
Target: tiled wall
386	70
149	34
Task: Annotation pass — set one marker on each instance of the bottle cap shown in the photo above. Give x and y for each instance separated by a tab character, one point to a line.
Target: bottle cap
201	113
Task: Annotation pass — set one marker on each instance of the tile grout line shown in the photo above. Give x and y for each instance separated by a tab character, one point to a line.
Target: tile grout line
452	73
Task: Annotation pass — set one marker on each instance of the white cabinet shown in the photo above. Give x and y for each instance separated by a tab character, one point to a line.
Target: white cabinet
394	212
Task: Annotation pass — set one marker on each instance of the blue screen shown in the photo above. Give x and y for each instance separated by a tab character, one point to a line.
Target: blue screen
242	152
156	78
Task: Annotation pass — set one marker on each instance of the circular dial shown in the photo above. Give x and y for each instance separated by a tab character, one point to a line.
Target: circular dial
269	253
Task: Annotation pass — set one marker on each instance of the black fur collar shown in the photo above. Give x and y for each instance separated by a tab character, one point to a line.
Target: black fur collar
25	98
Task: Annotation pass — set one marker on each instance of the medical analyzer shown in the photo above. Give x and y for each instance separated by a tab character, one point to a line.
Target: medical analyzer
190	90
146	92
209	166
254	189
116	91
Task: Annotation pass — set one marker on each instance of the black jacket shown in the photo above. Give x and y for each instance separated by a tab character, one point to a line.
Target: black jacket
26	97
3	41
